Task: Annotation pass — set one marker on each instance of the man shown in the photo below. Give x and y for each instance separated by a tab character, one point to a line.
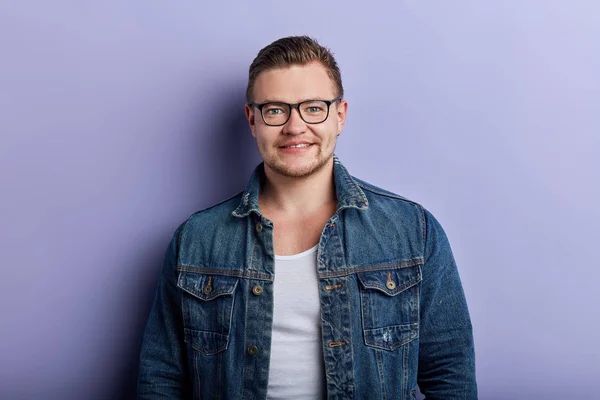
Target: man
310	283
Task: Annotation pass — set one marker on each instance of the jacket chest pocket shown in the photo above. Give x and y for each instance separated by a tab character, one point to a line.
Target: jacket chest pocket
207	307
390	306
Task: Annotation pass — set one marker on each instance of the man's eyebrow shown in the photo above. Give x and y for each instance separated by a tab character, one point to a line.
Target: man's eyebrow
299	101
269	101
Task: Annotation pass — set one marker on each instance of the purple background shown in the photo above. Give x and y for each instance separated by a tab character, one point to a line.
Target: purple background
119	119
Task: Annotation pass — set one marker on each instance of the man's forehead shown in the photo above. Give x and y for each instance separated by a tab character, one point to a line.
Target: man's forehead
294	83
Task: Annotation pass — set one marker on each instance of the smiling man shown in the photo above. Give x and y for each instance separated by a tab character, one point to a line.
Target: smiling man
309	284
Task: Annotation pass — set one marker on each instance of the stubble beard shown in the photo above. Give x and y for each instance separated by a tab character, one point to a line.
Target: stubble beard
318	163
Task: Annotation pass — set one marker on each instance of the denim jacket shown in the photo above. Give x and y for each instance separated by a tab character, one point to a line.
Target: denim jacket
393	312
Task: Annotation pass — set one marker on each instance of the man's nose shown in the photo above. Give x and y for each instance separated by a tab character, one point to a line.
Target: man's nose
295	124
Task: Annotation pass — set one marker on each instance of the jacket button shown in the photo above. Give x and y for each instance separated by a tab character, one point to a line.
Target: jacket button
391	285
252	350
259	227
257	290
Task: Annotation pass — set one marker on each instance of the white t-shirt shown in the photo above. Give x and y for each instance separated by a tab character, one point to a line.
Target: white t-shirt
296	370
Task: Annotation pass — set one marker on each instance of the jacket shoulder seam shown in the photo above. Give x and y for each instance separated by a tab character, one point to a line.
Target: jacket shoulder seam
216	204
183	226
382	192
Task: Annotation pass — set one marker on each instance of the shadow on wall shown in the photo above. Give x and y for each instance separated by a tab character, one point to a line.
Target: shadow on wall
230	155
226	156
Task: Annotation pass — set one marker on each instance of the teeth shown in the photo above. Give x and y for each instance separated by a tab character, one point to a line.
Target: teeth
297	146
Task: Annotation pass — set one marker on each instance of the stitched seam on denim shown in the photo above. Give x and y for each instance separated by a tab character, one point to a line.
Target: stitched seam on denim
423	227
206	350
381	376
245	358
219	363
246	300
405	369
212	297
246	213
350	348
344	203
216	204
365	186
406	327
197	370
253	249
425	234
229	323
365	312
370	188
376	267
186	317
353	188
226	272
322	336
418	306
399	289
395	345
245	207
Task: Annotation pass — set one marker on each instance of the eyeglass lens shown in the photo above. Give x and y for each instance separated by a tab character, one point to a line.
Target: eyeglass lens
312	112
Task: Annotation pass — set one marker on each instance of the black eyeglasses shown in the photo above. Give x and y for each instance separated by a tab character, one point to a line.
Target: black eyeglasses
311	111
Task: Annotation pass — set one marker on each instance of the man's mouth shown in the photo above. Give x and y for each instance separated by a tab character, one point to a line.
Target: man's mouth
296	146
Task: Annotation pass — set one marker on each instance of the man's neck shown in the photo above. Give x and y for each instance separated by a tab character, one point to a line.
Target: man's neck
293	195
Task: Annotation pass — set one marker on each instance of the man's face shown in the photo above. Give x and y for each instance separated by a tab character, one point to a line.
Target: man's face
293	85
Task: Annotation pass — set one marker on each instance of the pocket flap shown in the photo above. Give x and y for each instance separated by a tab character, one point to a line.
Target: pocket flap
391	337
207	287
206	342
391	281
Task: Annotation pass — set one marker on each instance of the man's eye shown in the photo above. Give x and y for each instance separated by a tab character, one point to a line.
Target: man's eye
274	111
314	107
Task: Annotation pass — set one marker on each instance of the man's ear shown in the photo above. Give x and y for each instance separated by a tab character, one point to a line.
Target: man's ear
342	109
250	117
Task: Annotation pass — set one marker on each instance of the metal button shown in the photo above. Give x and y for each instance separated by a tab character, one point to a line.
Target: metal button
259	227
390	285
252	350
257	290
208	288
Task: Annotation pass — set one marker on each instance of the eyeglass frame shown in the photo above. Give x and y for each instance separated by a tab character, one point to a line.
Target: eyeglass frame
297	107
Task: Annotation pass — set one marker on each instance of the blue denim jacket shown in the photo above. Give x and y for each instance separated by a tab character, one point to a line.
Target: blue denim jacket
393	311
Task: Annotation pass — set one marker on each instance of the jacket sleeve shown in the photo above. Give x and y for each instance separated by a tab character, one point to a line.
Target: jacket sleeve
163	362
446	349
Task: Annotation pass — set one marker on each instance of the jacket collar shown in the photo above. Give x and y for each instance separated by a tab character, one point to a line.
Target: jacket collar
348	193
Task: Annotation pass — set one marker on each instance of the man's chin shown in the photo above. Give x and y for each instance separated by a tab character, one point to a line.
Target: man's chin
298	171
